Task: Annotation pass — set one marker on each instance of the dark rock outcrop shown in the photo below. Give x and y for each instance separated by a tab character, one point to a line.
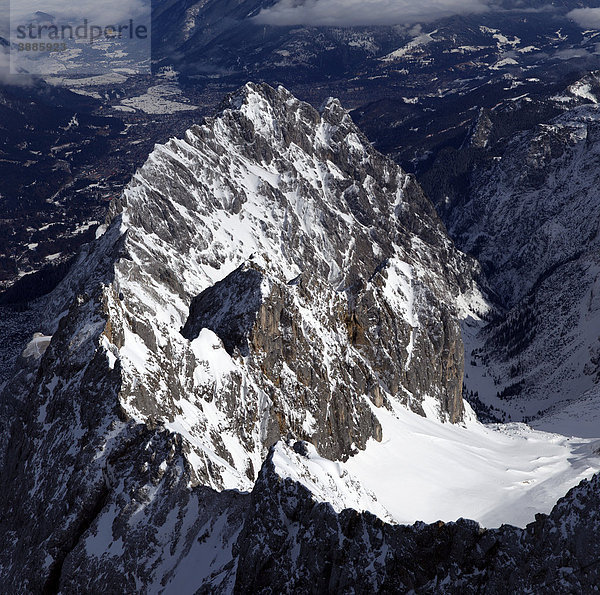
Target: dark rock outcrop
292	544
228	308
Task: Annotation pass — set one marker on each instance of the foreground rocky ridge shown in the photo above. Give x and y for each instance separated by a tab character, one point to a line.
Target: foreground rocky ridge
283	539
354	552
268	276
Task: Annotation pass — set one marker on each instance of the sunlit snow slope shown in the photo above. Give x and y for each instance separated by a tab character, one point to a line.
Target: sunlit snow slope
426	471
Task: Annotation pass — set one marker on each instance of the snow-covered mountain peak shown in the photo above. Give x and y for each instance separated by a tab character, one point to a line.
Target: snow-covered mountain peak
268	277
264	105
316	260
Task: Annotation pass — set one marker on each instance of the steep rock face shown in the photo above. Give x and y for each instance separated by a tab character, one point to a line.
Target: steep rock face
65	414
229	309
154	532
270	275
357	282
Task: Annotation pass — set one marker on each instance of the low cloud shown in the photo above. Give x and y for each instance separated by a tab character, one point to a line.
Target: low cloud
348	13
587	18
572	54
107	12
6	78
